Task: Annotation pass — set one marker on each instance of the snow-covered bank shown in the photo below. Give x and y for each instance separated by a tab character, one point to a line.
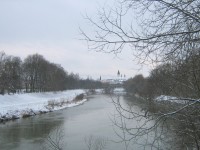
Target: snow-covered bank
171	99
23	105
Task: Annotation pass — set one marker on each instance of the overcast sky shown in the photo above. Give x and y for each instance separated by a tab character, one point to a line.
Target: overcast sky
51	28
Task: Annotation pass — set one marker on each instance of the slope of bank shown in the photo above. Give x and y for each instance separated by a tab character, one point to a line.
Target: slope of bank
29	104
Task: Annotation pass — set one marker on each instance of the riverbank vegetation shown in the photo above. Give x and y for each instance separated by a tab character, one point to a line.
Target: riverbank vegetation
163	34
179	110
180	79
36	74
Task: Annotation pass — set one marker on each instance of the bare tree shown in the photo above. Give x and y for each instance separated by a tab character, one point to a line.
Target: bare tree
10	73
161	30
159	126
2	72
158	31
13	74
33	68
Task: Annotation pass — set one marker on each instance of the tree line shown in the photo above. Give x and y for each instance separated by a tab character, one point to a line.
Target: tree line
180	78
36	74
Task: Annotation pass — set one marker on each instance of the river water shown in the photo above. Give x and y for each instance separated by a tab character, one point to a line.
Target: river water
77	124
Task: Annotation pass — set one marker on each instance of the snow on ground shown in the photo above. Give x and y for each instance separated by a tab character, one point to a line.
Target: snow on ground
171	99
29	104
22	105
119	90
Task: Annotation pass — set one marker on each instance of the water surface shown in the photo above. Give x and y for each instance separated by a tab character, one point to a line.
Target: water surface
93	118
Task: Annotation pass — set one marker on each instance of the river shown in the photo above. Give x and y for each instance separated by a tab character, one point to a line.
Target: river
77	124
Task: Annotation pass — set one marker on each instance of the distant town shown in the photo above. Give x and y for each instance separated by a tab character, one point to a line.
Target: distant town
113	81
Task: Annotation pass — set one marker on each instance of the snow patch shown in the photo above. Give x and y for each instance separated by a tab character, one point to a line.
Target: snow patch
29	104
170	99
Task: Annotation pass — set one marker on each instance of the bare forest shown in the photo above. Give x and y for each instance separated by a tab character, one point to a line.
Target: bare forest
36	74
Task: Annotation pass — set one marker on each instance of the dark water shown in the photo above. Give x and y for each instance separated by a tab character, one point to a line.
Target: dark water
77	124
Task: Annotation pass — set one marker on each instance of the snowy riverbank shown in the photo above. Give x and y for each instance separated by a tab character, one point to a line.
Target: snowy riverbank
178	100
29	104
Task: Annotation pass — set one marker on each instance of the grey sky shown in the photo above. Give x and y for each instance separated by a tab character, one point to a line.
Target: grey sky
51	28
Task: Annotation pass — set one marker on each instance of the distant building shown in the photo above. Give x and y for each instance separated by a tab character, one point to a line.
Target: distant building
113	81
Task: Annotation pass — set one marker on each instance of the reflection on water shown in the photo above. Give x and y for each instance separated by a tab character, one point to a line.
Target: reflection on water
94	118
20	134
